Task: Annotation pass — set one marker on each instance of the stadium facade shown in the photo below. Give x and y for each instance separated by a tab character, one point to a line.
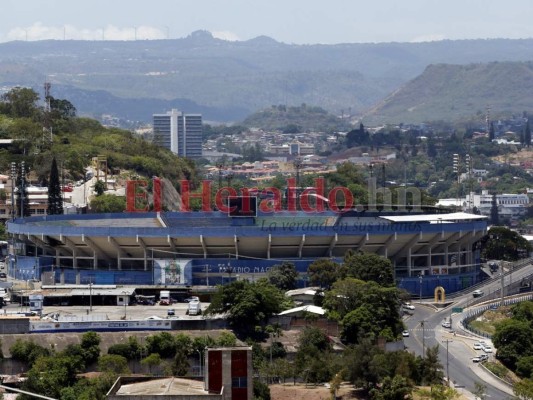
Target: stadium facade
177	249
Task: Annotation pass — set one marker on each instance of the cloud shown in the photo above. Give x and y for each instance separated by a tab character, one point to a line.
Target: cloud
428	38
226	35
40	32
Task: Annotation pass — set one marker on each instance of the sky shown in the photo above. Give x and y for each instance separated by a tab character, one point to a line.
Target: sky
287	21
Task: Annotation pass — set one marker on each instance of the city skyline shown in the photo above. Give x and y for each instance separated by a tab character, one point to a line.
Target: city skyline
297	21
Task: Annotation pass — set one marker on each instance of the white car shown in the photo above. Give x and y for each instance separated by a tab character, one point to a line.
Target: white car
405	333
478	346
487	349
446	324
409	306
478	293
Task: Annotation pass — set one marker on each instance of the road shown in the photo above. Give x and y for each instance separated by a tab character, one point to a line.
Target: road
457	361
456	350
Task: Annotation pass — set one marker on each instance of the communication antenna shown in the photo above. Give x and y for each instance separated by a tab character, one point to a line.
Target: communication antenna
47	87
487	118
47	109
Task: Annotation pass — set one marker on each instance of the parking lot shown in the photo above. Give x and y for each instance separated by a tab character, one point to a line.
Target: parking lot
113	312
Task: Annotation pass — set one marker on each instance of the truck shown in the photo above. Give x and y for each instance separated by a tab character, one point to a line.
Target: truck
194	308
164	298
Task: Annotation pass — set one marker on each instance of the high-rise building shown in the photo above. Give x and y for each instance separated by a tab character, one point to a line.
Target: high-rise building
180	133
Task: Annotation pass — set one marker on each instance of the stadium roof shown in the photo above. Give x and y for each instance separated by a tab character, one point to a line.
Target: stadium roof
452	217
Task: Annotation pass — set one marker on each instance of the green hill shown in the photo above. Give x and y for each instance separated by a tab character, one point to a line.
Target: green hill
456	92
296	119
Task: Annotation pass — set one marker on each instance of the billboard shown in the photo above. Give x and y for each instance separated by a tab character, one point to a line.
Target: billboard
172	272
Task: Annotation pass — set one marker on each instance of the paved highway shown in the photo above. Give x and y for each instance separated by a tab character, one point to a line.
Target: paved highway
456	349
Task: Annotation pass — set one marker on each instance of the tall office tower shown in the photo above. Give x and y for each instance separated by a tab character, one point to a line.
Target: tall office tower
180	133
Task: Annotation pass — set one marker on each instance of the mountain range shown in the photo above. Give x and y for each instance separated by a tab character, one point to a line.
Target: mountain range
226	81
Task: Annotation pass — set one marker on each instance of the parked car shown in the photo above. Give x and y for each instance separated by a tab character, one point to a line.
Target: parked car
478	346
478	293
476	359
3	275
405	333
483	357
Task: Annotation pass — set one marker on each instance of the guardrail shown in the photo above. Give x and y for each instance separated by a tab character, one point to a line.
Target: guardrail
517	265
477	311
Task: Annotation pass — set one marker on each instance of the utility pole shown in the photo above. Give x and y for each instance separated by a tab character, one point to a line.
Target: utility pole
502	279
423	324
420	282
22	187
447	341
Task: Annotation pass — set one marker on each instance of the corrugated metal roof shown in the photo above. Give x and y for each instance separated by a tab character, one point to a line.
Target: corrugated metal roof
451	217
310	309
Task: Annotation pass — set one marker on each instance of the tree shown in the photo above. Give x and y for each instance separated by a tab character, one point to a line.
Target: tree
55	199
131	350
226	339
524	367
261	390
162	343
492	134
108	203
369	267
324	272
283	276
61	108
504	244
358	361
90	344
153	360
397	388
314	356
50	374
524	389
180	364
114	364
513	339
99	187
431	368
248	304
21	102
27	351
438	392
364	309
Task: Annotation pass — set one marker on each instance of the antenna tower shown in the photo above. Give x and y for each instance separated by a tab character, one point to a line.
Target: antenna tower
487	118
47	108
47	86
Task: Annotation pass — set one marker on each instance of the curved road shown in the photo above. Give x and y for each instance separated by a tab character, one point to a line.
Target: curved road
455	350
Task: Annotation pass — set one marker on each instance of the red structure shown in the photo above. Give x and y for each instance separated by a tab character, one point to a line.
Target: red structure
229	371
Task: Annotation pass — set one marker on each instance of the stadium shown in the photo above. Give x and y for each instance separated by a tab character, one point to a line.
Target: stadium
428	247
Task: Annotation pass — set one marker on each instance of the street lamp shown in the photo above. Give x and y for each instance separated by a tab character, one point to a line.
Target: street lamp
447	362
90	297
125	302
420	284
199	361
423	324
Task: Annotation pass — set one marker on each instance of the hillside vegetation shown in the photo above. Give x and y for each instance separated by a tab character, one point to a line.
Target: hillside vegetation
455	92
296	119
75	141
225	81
